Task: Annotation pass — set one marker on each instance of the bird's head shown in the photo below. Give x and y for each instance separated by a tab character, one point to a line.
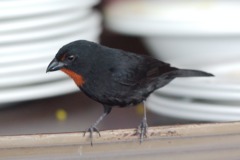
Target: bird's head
73	59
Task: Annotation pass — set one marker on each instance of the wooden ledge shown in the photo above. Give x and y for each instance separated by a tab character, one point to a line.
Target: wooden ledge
197	141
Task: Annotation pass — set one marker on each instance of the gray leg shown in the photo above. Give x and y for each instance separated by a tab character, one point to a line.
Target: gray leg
93	128
142	128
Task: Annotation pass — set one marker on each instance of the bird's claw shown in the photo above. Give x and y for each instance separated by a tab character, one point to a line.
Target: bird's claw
142	130
91	130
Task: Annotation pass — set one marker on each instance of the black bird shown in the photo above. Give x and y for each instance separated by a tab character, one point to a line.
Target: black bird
115	77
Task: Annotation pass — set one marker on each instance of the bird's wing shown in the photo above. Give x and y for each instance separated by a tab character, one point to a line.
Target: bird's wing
139	69
156	68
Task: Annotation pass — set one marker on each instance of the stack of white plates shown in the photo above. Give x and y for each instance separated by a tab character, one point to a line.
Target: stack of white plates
174	30
31	33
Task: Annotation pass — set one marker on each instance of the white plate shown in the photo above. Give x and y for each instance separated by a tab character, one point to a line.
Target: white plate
197	93
63	29
42	21
26	49
43	3
25	8
193	110
41	90
175	17
38	76
36	55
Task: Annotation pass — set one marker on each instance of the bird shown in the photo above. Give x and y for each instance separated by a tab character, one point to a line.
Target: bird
114	77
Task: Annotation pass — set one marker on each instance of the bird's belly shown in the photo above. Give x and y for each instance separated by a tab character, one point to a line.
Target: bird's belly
114	96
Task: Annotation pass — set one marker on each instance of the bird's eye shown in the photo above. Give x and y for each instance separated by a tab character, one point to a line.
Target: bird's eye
71	57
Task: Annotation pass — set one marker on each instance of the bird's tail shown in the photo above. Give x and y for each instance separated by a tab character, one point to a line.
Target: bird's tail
190	73
168	77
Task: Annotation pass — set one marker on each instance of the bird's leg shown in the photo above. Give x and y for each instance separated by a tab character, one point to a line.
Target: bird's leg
93	128
142	128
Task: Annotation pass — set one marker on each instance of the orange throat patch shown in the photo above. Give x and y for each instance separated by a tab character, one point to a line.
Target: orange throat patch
78	79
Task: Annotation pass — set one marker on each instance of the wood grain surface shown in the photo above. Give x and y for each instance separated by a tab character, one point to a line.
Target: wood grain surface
220	141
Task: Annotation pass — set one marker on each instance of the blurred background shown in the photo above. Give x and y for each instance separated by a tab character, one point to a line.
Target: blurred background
200	34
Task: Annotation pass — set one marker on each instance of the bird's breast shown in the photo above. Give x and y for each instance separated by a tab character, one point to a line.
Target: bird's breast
78	79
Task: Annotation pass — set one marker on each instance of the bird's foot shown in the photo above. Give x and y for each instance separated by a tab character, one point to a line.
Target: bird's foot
142	130
91	130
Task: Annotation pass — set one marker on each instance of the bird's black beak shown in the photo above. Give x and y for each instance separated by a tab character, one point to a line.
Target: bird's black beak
55	65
